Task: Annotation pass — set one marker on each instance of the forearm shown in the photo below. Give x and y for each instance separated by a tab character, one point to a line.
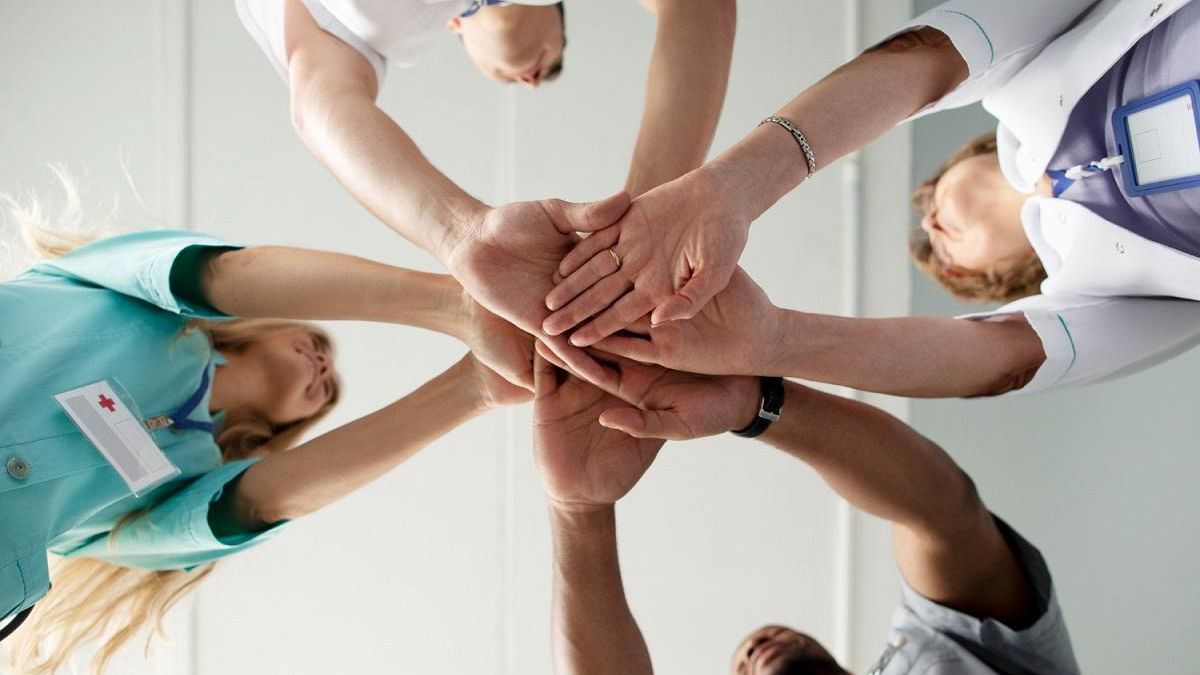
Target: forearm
293	283
685	89
383	168
873	460
947	545
908	356
594	632
293	483
843	112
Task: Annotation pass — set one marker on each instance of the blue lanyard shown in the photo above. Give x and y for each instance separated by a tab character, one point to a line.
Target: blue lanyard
179	418
477	5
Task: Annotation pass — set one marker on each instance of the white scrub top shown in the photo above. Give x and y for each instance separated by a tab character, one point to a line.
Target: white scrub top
395	32
1030	62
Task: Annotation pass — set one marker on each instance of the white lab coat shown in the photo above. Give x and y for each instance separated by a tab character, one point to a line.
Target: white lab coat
1030	62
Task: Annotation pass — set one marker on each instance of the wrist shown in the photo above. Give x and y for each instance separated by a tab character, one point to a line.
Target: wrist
461	224
774	342
576	516
470	389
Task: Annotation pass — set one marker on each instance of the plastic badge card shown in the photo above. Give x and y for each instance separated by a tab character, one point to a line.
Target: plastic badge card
118	434
1159	138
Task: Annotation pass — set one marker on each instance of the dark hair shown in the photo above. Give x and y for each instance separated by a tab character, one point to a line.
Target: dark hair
555	68
1003	285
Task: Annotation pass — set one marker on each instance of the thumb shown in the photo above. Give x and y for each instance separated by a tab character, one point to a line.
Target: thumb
641	423
545	380
590	216
689	300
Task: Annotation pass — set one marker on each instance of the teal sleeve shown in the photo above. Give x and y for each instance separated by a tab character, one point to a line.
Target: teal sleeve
176	533
161	267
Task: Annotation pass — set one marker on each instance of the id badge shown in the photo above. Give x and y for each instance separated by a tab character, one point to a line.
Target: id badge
118	434
1160	139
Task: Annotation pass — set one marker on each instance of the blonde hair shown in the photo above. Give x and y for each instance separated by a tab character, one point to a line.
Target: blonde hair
93	600
1009	283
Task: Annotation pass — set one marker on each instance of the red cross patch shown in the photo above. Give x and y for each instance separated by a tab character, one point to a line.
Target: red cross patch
107	403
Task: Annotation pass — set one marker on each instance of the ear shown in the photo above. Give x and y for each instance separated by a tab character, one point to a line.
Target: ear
454	25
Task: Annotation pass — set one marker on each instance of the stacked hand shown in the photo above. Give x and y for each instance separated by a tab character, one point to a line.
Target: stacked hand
600	415
666	258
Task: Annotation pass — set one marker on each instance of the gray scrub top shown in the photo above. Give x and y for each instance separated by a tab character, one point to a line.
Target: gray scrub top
931	639
1161	59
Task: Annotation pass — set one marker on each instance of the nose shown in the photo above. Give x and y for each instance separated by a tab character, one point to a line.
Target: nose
323	363
531	80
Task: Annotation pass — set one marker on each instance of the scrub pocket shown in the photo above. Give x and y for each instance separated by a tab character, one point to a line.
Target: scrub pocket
12	589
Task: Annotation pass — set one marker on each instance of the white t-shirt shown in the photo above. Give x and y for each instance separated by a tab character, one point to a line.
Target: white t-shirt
395	32
1113	302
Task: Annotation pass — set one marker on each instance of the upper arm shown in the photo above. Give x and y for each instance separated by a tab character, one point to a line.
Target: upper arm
320	64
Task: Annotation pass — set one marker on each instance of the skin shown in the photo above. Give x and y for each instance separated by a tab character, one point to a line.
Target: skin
975	220
701	220
285	375
505	256
947	545
742	333
512	43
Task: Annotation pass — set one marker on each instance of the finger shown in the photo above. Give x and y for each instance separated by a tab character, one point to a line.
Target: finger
595	299
588	216
587	249
545	382
623	312
599	267
645	423
640	327
635	348
692	298
581	365
549	355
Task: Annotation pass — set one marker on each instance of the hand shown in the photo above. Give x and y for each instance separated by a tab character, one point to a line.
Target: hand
669	254
507	264
494	390
497	344
584	466
675	405
732	335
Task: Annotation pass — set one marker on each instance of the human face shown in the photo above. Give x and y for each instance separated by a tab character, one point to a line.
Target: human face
974	222
289	374
777	650
512	43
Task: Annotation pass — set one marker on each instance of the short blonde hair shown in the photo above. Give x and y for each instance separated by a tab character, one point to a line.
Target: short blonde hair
1000	285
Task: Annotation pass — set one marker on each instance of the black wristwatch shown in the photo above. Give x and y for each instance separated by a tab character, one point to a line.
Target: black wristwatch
769	408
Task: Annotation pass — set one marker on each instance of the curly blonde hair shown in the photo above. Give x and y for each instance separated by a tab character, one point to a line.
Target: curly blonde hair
1004	284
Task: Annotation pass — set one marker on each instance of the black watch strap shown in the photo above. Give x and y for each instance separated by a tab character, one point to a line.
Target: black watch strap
769	409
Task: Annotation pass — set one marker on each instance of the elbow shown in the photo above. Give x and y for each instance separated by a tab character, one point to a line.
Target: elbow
1019	356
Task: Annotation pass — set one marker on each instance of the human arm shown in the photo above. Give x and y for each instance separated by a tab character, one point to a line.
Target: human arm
293	283
585	469
685	89
947	544
742	332
679	243
289	484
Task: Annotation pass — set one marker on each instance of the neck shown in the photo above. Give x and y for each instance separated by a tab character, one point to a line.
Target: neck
230	390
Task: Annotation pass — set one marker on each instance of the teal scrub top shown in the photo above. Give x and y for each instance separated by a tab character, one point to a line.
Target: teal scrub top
107	310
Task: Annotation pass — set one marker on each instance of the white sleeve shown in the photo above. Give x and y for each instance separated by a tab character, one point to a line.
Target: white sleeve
996	39
264	20
1091	339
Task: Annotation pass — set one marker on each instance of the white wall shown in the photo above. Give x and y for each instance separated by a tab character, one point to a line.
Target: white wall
443	566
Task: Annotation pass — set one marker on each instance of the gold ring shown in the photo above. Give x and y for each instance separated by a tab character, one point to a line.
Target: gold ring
616	257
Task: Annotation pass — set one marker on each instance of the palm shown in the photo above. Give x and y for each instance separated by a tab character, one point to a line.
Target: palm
726	337
583	464
677	405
